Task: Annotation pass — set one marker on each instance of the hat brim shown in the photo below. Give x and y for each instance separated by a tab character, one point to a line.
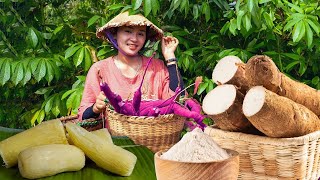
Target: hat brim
124	19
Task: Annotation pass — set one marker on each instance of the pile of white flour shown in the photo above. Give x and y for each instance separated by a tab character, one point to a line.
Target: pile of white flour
196	146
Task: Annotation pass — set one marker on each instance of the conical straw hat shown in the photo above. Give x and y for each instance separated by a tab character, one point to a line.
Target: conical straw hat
124	19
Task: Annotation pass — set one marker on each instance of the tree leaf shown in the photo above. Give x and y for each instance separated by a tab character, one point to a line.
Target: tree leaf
195	11
239	18
35	117
147	6
290	24
40	72
298	29
250	5
32	36
50	72
5	71
309	34
136	4
115	6
202	87
71	50
78	58
92	20
314	26
295	7
87	60
155	7
49	103
18	73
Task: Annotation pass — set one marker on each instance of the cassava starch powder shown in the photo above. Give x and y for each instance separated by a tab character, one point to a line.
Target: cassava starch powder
195	146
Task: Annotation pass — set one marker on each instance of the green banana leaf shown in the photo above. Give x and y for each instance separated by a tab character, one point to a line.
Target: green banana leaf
144	168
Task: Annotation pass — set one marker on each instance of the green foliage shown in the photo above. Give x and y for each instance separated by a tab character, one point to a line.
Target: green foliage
48	46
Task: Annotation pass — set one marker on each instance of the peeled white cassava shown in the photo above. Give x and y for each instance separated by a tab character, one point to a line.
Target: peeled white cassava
47	160
105	154
48	132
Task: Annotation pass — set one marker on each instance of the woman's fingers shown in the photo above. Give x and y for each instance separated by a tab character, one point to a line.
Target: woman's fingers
100	104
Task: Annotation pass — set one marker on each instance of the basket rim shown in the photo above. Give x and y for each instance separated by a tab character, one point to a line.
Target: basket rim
146	119
239	136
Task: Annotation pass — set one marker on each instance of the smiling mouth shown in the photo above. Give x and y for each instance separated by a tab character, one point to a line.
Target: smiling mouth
132	46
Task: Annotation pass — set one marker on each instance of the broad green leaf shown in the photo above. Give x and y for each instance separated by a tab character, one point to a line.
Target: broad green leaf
32	36
49	103
93	20
314	26
290	24
250	5
147	6
73	100
309	34
136	4
57	72
50	72
56	106
239	18
5	71
303	68
41	116
58	29
87	59
71	50
43	91
41	70
27	73
315	80
298	31
233	26
18	73
268	20
195	11
206	10
34	64
202	87
67	93
78	58
247	22
293	56
264	1
155	7
210	86
291	65
115	6
295	7
35	117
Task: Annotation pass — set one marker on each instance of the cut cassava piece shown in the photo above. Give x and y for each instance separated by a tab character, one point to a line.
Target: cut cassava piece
278	116
47	160
102	133
262	71
106	155
223	104
48	132
231	70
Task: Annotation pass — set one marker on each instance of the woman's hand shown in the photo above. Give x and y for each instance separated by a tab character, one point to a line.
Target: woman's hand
168	45
100	104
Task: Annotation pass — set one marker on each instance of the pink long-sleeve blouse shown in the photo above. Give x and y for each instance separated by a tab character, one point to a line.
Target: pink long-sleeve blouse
155	85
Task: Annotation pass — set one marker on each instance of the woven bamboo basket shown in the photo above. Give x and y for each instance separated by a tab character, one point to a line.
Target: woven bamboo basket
89	124
263	158
157	133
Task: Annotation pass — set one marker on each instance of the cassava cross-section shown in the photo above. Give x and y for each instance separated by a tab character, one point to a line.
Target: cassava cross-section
278	116
261	70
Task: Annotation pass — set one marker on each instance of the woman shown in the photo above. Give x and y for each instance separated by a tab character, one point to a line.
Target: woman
123	72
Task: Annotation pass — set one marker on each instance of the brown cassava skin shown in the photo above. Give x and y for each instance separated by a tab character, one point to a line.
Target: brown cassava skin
261	70
281	117
239	79
233	119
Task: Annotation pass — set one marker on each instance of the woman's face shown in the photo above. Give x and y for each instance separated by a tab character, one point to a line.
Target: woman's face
131	38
